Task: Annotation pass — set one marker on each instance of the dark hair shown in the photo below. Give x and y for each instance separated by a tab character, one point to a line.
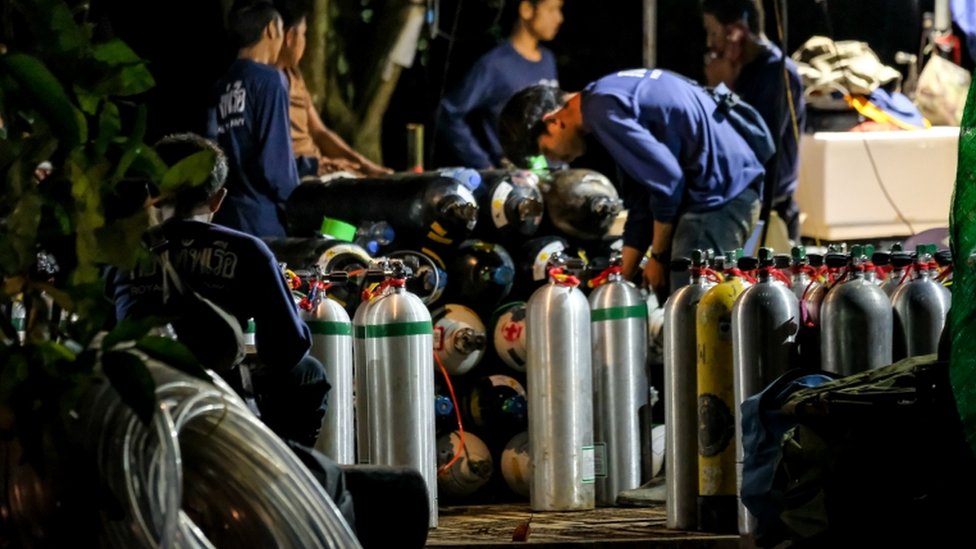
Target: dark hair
508	15
520	123
292	11
732	11
247	21
176	147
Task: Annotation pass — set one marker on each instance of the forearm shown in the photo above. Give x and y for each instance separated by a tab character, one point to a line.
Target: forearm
331	145
631	258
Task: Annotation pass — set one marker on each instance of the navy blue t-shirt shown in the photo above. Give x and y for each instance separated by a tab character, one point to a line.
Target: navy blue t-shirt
249	120
234	270
759	84
661	130
469	113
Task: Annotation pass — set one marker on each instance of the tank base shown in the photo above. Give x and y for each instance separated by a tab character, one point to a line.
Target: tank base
718	514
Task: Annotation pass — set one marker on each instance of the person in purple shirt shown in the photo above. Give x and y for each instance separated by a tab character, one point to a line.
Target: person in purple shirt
249	120
238	273
468	115
694	182
751	66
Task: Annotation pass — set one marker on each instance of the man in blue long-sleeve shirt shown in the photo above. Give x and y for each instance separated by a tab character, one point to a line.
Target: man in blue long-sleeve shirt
238	273
749	64
468	115
697	181
249	120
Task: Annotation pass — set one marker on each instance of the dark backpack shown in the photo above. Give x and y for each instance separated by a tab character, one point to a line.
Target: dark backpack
746	120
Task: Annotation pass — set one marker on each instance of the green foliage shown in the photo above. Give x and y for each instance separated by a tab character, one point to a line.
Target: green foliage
73	101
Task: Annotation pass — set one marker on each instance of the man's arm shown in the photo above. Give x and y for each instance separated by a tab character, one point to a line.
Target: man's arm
332	146
652	166
281	337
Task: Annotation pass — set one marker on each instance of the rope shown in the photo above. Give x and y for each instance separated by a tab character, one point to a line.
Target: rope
457	412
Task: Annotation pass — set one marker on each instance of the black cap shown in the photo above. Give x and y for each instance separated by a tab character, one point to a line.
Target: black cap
782	261
836	260
748	263
943	258
900	260
680	264
881	258
816	260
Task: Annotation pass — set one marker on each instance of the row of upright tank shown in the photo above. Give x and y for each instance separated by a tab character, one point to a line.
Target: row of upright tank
742	322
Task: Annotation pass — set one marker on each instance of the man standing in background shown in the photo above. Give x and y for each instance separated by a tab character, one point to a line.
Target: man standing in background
468	115
318	150
248	118
741	57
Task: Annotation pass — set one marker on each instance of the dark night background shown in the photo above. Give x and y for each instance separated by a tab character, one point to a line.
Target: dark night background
185	44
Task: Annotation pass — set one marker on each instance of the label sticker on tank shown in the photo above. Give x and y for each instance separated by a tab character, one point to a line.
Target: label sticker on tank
600	459
498	199
542	259
438	338
497	380
588	465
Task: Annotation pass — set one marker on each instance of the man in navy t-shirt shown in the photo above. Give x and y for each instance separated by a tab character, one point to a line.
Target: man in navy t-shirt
249	120
694	181
238	273
468	115
749	64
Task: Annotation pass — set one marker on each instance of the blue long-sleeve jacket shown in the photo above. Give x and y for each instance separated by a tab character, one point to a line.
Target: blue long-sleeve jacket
234	270
759	84
249	120
468	118
662	131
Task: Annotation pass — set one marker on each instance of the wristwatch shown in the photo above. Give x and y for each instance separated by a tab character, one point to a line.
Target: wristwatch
663	258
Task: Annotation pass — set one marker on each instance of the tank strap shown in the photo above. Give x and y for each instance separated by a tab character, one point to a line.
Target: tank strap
397	329
329	328
619	313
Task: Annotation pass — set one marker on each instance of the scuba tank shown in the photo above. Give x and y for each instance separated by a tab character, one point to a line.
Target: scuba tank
459	338
399	387
430	275
765	321
900	261
329	256
481	274
331	332
442	208
509	205
717	488
508	335
618	317
497	406
680	394
532	257
856	320
581	203
516	464
560	393
921	306
469	472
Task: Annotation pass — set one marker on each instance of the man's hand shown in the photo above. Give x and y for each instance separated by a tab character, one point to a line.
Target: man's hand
372	169
656	278
332	165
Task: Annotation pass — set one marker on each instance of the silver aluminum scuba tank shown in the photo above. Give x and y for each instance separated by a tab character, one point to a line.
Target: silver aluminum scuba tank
559	378
399	364
765	321
921	306
900	261
618	317
856	319
680	394
332	345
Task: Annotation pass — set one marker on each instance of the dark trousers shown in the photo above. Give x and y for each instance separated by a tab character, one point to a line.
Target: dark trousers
789	211
292	403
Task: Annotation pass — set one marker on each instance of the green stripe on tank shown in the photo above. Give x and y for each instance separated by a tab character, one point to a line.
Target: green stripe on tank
250	326
395	330
619	313
321	327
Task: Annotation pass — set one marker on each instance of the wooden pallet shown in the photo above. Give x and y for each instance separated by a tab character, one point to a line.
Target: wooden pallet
493	526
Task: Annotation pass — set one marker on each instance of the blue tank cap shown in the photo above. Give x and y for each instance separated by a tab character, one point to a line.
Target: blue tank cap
503	275
516	405
443	405
466	176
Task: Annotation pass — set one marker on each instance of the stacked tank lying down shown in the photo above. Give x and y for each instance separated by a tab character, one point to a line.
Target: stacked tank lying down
743	322
522	303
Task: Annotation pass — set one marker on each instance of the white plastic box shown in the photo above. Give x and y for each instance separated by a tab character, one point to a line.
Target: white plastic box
842	197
